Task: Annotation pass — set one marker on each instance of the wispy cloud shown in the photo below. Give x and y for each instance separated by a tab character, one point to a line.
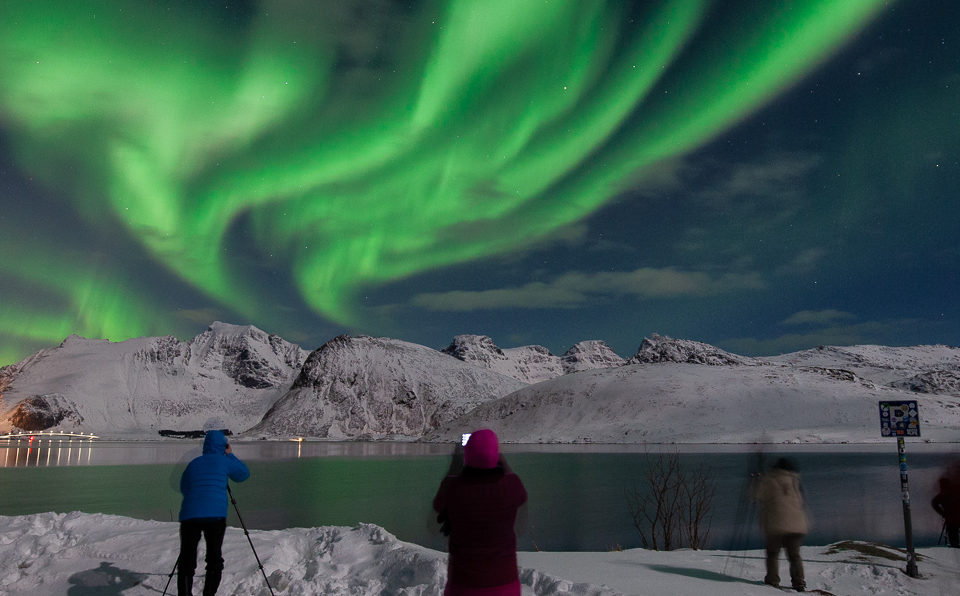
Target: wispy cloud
575	289
806	261
817	317
887	332
772	177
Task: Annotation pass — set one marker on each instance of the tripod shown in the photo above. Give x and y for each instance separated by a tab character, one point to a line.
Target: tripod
247	533
244	526
746	511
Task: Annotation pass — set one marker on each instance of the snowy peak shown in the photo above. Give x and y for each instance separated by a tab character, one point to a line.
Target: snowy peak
246	354
528	364
589	355
659	348
142	385
532	364
374	388
477	349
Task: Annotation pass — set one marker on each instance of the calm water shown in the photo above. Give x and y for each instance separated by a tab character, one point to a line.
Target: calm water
577	493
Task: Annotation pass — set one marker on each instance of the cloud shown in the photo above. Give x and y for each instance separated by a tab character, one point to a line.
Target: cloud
778	175
885	332
576	289
805	262
817	317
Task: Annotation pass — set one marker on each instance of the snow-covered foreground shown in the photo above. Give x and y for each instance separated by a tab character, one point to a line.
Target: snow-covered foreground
85	554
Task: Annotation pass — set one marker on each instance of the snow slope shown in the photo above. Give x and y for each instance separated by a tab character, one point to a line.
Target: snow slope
378	388
78	553
880	364
694	403
139	386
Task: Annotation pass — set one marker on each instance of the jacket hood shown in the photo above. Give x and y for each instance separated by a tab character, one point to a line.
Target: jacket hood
482	450
215	442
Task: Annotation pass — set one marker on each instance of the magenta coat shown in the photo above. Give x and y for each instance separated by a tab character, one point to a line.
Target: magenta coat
480	508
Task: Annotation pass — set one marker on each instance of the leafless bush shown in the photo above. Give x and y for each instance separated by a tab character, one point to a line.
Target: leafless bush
672	505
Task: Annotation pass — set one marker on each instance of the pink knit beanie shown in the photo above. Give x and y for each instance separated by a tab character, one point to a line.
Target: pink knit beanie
482	449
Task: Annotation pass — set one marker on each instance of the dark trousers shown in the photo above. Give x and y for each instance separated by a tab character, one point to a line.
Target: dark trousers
791	542
953	535
213	529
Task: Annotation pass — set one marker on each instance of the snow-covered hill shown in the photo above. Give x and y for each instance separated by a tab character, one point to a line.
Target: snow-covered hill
923	369
139	386
379	388
376	388
694	403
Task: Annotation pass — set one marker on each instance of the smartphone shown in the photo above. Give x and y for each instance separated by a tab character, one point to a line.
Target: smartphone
464	438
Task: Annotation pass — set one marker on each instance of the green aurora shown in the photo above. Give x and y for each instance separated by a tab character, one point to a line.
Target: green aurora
353	151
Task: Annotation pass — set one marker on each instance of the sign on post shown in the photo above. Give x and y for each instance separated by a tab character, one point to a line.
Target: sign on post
899	419
902	419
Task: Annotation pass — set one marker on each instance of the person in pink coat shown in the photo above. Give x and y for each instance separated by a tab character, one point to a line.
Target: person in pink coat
478	508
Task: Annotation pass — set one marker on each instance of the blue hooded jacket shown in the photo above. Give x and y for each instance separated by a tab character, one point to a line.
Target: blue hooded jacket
204	482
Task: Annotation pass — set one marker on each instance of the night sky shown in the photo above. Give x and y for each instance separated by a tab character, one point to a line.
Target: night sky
763	176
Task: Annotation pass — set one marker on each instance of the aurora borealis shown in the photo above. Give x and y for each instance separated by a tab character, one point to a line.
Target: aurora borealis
763	176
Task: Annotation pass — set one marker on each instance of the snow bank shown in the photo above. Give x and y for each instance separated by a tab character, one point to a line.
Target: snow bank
79	553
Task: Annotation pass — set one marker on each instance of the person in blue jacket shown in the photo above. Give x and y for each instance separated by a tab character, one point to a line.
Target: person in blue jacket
204	510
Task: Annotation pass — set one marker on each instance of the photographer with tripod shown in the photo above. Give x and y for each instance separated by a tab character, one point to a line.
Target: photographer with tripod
204	510
947	504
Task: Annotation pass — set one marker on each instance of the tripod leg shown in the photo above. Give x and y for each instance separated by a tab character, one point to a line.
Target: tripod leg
244	526
170	577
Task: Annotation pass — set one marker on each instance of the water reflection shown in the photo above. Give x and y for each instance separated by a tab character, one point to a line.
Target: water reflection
36	451
51	450
576	492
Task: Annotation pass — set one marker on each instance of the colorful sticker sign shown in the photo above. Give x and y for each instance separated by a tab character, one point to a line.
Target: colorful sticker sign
899	419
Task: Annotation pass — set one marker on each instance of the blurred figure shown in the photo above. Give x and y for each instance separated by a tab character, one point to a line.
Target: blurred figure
204	510
783	519
947	504
478	508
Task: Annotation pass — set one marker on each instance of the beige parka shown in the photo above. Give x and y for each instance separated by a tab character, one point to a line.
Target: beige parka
780	503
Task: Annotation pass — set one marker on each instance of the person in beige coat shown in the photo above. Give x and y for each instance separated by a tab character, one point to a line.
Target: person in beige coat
783	519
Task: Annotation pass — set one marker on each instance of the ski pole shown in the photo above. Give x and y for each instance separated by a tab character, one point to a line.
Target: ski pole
169	577
244	526
943	533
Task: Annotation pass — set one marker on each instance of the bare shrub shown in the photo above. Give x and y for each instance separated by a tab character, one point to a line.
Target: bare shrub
672	505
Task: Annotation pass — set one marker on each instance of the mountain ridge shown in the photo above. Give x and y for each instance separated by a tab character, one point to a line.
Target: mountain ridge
367	388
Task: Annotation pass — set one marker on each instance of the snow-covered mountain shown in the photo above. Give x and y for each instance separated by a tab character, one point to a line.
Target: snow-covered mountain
378	388
139	386
690	392
375	388
936	367
658	349
532	364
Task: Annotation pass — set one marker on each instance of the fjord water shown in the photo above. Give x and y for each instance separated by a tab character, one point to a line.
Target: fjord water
577	494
